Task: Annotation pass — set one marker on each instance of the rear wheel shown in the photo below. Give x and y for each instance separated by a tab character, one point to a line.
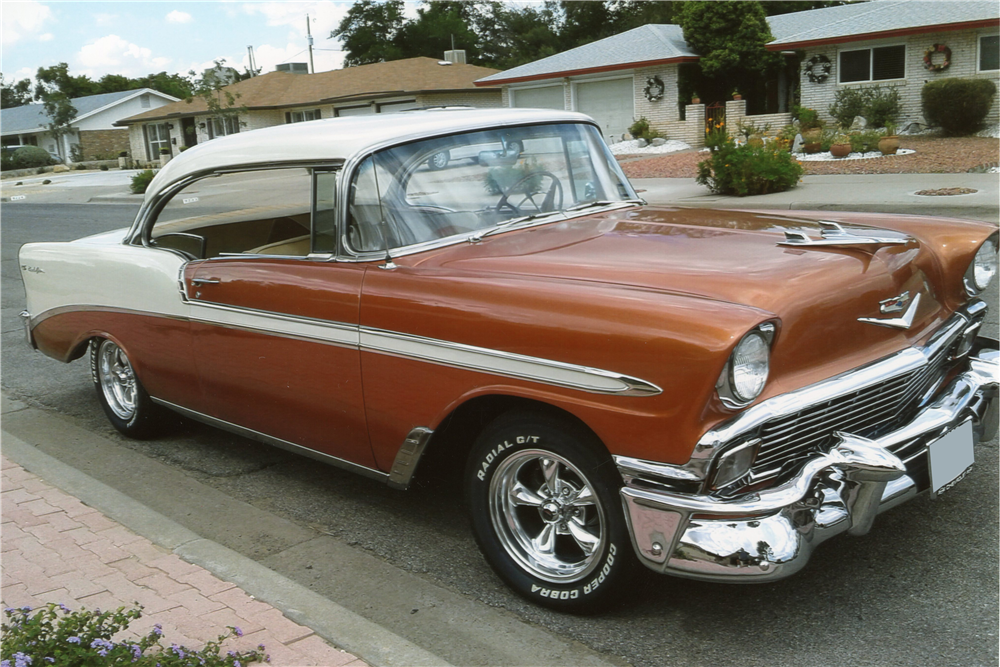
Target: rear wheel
125	402
546	511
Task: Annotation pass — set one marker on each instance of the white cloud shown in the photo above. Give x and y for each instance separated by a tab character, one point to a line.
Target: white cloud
22	20
179	17
112	54
103	19
47	37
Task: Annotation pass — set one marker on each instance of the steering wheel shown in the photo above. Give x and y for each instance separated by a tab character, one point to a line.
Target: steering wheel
553	195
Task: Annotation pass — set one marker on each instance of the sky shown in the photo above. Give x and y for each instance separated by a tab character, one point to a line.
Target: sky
137	38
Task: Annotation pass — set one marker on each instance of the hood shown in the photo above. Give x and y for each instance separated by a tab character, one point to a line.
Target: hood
730	257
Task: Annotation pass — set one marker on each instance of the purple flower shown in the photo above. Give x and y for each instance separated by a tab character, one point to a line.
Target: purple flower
136	653
21	660
103	646
5	663
239	633
157	629
26	609
73	640
177	649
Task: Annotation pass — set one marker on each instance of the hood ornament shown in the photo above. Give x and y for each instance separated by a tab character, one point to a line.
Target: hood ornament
832	234
894	305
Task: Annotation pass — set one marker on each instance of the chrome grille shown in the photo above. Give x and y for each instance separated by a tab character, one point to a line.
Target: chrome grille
869	412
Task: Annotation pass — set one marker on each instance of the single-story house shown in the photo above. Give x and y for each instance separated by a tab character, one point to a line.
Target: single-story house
94	134
635	74
615	80
901	44
284	97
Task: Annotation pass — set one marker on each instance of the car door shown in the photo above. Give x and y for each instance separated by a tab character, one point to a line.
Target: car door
274	317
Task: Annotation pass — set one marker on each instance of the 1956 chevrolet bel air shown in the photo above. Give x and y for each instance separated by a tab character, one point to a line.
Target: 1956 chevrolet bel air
709	393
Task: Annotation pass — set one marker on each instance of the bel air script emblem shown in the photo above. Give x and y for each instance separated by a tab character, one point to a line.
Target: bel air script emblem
896	304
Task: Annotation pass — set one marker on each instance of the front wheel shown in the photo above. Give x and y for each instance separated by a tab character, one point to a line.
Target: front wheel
546	513
125	402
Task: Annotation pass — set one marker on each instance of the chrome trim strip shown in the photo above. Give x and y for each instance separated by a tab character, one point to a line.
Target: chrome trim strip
506	364
365	471
368	339
289	326
833	234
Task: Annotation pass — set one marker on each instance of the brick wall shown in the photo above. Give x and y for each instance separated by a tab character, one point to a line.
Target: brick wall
100	144
964	63
691	131
736	111
664	112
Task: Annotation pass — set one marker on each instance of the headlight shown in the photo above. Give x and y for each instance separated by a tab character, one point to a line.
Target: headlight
984	266
746	372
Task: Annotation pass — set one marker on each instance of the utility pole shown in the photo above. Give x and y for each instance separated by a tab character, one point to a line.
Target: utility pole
309	39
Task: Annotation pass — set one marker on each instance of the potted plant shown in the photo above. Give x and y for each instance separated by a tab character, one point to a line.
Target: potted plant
841	146
889	144
736	95
812	140
695	99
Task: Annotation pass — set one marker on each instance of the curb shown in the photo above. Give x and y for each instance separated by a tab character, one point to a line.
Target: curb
343	628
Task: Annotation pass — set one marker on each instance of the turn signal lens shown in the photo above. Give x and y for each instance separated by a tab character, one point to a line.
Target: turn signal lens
749	367
734	463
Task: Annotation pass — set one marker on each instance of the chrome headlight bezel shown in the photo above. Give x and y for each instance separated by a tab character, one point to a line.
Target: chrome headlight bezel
757	341
983	267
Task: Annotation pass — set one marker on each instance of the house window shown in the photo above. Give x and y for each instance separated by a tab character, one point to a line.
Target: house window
989	53
220	127
157	137
300	116
878	64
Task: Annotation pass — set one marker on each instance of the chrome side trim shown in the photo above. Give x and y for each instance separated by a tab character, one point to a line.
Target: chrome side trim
365	471
507	364
408	456
289	326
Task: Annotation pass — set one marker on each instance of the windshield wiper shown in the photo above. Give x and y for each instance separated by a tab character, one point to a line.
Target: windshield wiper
604	202
504	224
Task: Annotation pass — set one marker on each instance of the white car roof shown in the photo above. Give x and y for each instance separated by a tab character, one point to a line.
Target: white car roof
341	138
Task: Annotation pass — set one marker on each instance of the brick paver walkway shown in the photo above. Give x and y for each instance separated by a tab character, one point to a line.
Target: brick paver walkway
56	549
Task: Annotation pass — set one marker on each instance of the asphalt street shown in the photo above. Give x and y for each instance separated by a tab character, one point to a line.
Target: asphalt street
921	588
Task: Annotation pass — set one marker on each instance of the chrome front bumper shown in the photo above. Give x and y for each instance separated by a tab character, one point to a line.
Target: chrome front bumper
770	534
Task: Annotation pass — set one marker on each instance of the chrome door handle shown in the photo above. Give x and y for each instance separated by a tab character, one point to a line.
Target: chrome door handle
205	281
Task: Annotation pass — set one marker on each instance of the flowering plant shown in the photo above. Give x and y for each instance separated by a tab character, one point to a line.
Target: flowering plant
55	635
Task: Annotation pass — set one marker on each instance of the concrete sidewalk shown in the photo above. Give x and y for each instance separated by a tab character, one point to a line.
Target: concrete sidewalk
878	193
61	547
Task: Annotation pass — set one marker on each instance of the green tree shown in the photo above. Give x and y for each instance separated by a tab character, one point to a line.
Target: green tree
729	36
438	25
175	85
512	35
369	32
14	94
213	87
61	113
57	78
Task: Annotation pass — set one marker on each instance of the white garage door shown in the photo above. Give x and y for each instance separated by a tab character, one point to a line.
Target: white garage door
609	103
355	111
396	107
549	97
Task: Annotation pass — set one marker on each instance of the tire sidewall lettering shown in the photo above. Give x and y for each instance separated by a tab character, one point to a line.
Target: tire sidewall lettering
494	454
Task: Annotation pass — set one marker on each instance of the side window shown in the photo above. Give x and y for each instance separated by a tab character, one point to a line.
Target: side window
365	211
324	215
265	212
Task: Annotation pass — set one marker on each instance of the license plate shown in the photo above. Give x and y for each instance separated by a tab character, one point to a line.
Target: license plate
950	458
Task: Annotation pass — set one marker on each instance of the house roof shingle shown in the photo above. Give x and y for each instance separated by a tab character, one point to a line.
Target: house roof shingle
32	117
868	20
652	43
283	89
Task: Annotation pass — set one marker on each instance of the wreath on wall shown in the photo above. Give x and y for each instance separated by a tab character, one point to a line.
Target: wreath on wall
929	58
818	68
654	89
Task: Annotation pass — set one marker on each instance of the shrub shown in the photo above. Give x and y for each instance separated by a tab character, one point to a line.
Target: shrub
876	104
46	182
29	157
808	118
80	167
104	167
141	181
749	170
640	129
866	141
6	161
958	106
54	635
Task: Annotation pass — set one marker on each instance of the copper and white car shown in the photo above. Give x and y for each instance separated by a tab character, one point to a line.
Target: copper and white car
709	393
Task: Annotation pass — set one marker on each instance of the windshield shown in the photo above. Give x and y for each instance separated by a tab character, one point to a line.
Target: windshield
446	186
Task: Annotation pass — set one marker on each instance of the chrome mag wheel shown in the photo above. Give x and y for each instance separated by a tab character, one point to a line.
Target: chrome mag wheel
116	380
547	516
